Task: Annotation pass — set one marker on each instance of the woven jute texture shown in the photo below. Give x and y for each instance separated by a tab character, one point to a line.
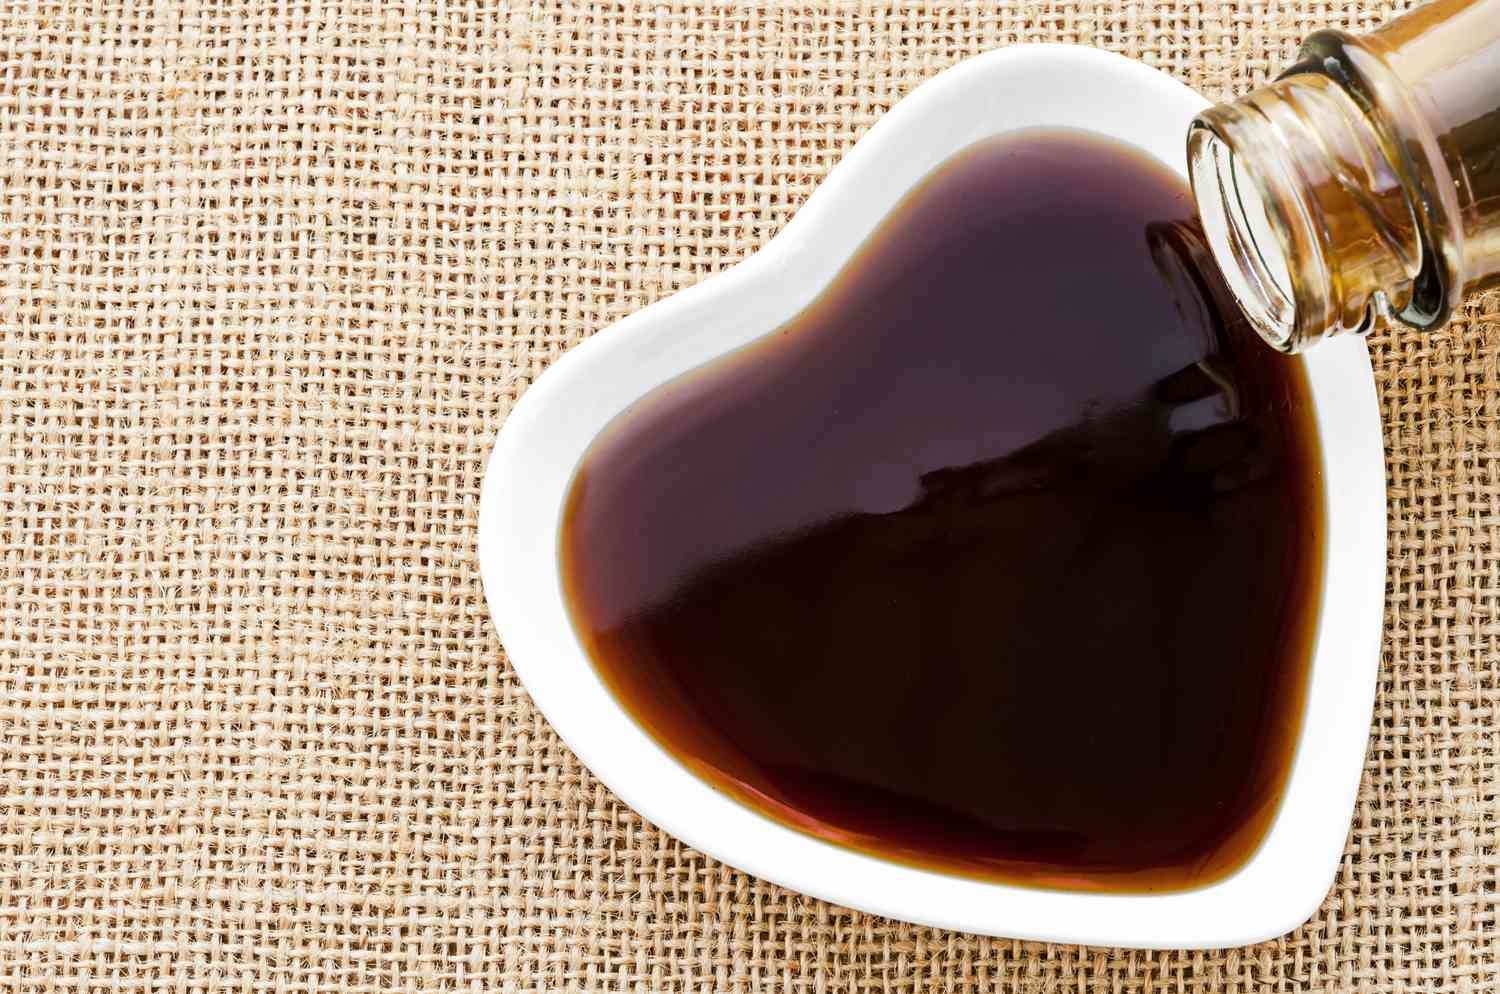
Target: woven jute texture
271	276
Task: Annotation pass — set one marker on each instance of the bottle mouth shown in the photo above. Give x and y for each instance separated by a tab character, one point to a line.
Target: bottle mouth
1306	204
1249	247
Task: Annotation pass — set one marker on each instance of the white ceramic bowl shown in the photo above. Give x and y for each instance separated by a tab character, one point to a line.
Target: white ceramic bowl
543	440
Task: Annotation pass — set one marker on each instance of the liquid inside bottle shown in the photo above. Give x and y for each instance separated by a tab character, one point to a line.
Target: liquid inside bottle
1364	184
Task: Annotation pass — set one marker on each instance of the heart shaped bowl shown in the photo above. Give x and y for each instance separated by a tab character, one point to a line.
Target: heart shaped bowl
542	442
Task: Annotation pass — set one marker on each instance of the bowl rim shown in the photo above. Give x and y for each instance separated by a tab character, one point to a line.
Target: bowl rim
539	445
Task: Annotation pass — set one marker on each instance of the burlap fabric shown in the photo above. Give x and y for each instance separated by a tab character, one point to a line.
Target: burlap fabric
271	276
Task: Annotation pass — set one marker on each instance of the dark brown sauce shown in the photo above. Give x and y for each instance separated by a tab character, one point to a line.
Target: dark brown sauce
1002	558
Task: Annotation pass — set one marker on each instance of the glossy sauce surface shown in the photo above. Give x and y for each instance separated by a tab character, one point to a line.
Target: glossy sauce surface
1001	559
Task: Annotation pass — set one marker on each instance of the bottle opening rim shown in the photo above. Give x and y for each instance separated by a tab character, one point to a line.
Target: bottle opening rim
1243	237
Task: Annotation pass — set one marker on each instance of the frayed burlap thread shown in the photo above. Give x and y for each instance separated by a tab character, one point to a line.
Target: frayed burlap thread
271	276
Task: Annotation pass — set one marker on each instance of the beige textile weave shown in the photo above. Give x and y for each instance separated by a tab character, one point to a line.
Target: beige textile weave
271	275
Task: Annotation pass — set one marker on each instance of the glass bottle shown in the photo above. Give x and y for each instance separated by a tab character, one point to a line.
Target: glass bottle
1364	183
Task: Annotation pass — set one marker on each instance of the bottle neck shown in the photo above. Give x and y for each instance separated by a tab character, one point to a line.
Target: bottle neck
1364	184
